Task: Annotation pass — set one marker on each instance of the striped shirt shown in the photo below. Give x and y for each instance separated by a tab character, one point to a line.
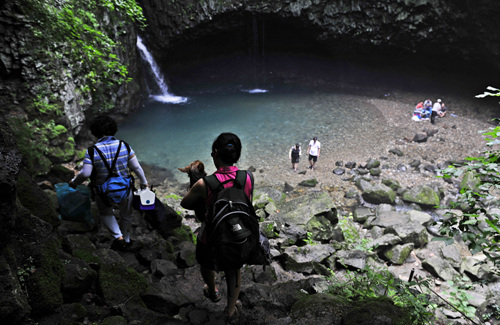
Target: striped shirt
109	147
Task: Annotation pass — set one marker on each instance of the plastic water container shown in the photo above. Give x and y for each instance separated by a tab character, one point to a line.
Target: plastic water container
144	199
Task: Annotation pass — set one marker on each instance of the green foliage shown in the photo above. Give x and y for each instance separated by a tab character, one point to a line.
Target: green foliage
460	299
374	283
174	196
26	271
75	30
478	228
352	237
309	239
33	139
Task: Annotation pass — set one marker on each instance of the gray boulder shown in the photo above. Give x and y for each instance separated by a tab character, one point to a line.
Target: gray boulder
410	232
441	268
377	193
307	259
399	253
422	195
300	210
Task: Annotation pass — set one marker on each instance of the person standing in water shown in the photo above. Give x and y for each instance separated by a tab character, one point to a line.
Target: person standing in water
313	151
226	151
294	155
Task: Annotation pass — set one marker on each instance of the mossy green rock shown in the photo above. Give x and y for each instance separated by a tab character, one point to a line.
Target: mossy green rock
183	233
367	312
321	228
44	285
309	182
422	195
320	308
35	200
63	153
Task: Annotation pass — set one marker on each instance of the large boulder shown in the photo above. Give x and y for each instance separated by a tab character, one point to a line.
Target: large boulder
422	195
307	259
321	308
410	232
441	268
377	193
300	210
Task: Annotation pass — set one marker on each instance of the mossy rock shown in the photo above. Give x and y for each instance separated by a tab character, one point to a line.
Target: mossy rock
114	320
63	153
35	200
119	283
309	182
366	312
44	285
422	195
320	308
183	233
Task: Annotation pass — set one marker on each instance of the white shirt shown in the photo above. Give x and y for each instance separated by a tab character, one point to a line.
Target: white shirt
314	147
436	107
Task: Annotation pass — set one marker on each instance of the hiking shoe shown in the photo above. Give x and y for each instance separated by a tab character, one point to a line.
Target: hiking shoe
238	308
119	245
214	296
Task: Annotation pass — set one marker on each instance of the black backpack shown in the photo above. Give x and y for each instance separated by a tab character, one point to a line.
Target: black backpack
233	226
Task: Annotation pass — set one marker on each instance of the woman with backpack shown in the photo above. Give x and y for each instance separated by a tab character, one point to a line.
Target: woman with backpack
226	151
111	153
294	155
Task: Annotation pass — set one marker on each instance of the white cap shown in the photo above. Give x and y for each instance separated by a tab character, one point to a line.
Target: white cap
439	100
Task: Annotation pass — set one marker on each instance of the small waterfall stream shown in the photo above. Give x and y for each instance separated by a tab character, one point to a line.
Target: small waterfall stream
164	96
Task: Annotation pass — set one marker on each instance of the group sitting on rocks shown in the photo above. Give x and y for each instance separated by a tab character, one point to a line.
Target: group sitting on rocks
427	111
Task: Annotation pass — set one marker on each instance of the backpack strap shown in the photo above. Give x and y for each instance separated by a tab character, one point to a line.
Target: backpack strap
108	167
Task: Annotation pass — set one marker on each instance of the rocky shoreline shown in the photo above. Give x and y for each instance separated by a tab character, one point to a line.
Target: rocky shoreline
452	138
373	189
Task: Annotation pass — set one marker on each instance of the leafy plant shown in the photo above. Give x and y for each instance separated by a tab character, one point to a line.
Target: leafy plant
352	236
309	240
476	226
460	299
374	283
74	30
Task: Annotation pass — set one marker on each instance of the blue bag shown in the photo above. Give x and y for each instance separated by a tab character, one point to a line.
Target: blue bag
116	188
74	204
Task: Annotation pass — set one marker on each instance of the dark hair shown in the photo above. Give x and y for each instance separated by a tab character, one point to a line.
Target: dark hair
103	125
228	147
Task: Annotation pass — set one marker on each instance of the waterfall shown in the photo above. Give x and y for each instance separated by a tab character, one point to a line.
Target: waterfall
257	52
164	96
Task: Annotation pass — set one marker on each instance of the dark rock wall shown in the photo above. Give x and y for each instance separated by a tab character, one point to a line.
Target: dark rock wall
457	30
25	72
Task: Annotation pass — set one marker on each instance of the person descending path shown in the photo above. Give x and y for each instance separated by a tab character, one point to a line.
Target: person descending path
226	151
313	151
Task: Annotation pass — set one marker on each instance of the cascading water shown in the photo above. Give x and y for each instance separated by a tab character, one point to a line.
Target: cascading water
164	96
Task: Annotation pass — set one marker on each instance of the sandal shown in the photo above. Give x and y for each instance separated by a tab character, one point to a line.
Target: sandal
238	307
214	296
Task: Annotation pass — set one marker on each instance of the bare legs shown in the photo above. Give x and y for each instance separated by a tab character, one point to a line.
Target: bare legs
233	282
